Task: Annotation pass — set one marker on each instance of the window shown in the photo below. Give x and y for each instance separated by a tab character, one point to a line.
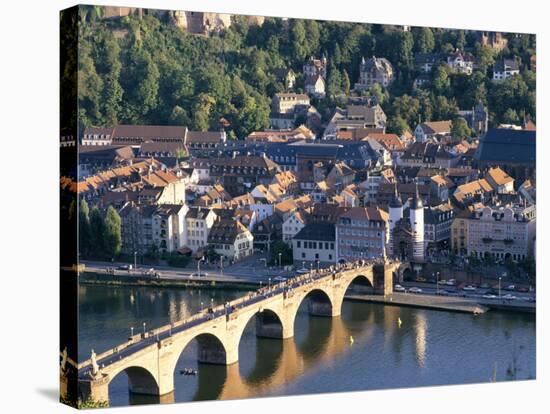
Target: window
303	255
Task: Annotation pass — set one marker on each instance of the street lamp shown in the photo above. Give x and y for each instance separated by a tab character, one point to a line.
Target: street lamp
280	265
317	265
269	285
499	293
144	325
212	303
437	282
135	259
221	264
199	266
131	331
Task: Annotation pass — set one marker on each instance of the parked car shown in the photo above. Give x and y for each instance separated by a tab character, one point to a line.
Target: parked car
415	290
451	282
509	296
523	290
489	296
485	286
420	279
399	288
279	279
125	267
510	287
443	293
469	288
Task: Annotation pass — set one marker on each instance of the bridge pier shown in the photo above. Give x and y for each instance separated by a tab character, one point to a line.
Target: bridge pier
96	390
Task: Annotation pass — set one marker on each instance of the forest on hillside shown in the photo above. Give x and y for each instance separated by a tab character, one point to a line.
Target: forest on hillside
148	71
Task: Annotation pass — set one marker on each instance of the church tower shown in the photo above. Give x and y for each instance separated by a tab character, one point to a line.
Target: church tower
417	227
396	214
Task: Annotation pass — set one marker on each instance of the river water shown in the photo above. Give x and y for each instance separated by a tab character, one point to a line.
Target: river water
364	349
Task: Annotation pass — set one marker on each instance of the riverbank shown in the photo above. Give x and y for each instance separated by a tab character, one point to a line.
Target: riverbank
423	301
100	278
443	303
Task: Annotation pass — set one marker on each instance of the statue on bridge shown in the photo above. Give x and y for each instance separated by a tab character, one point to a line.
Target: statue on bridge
64	357
95	366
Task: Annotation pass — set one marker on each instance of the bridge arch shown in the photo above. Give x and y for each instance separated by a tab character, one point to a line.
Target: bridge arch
269	324
140	380
320	303
210	349
363	283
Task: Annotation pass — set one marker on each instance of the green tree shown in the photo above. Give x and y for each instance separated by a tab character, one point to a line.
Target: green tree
379	93
346	84
97	232
485	57
201	112
140	77
460	40
281	247
112	233
299	47
179	116
510	116
460	129
444	108
90	86
397	125
334	86
425	41
407	108
84	232
440	80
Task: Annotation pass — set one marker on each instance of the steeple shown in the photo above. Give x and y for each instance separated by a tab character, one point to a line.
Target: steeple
416	202
396	200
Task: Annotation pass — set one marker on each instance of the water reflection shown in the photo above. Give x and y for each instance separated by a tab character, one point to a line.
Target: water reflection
420	330
321	357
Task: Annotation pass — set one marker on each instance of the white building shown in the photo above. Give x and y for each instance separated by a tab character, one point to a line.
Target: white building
502	232
504	69
314	245
372	71
416	216
292	225
396	214
231	239
199	221
169	227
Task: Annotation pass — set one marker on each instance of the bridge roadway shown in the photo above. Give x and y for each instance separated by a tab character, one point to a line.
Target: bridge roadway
149	359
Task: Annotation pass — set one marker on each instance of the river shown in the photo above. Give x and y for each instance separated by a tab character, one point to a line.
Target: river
364	349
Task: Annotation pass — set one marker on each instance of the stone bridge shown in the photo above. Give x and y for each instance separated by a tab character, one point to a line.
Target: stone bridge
150	359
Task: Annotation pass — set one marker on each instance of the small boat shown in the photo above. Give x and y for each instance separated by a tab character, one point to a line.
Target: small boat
399	322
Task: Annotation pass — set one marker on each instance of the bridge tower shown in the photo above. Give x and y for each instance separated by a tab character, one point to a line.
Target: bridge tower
396	214
417	227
